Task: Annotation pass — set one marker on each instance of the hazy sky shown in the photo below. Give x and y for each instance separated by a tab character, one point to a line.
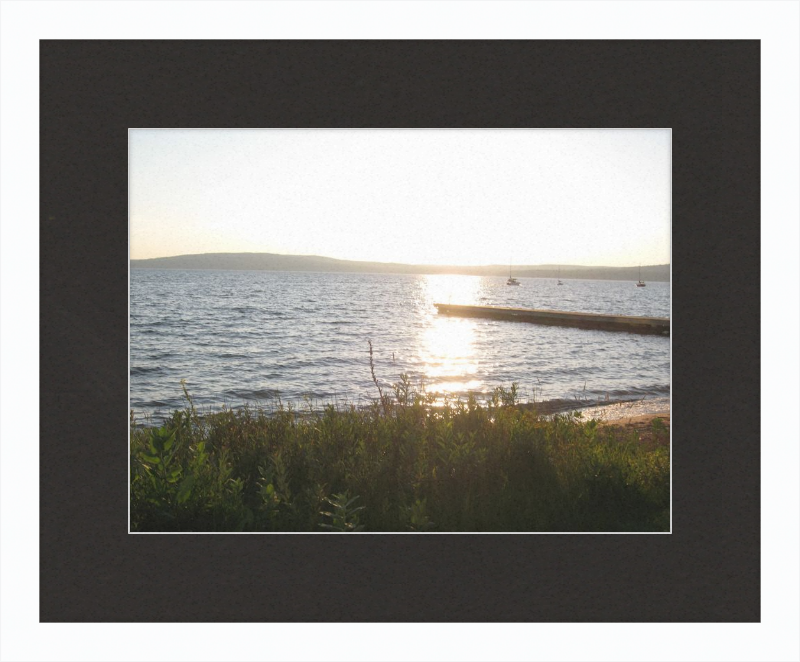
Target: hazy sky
588	197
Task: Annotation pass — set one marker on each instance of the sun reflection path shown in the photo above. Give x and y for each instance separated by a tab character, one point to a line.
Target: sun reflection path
447	345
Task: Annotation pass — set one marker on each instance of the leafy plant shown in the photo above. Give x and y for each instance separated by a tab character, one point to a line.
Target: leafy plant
343	517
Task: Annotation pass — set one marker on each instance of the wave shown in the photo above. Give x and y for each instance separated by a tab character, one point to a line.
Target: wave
655	389
143	370
257	394
157	403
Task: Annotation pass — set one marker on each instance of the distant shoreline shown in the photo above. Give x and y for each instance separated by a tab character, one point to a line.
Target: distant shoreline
318	264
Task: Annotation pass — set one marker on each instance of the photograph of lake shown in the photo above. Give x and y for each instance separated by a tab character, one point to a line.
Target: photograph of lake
400	331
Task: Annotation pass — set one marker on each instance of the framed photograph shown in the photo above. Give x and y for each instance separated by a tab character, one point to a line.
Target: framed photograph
344	350
93	93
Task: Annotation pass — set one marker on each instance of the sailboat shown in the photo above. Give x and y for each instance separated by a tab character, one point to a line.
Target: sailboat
641	283
559	276
511	280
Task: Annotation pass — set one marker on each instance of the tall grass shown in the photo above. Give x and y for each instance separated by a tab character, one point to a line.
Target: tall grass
401	465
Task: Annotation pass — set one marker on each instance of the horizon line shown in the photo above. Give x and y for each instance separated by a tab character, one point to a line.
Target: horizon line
407	264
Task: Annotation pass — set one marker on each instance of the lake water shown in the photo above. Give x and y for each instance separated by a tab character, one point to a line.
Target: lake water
246	337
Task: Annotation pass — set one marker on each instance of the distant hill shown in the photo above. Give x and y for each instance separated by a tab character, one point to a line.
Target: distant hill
275	262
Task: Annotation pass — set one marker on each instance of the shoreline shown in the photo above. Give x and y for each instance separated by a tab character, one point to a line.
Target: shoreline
630	410
651	430
648	420
614	412
605	411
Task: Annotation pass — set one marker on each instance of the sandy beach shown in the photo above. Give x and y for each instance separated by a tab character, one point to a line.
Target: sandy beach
629	411
645	426
633	416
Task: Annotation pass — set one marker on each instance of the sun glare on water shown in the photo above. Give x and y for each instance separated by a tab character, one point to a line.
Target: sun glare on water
447	344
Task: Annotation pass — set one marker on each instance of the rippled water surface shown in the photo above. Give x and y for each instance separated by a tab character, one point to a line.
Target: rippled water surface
244	337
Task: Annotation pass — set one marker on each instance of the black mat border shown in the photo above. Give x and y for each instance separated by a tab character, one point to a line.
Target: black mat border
92	570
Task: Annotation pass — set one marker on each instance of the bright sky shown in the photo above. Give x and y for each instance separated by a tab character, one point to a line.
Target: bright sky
469	197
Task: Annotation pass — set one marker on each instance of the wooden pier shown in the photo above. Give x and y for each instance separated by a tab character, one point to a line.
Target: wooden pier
650	325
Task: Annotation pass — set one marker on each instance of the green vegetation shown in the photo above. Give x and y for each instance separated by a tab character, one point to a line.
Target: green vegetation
401	465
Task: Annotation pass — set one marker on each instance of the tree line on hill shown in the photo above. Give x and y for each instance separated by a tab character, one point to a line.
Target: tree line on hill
276	262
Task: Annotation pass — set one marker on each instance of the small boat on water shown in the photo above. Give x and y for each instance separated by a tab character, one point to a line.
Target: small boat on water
641	283
511	280
559	277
